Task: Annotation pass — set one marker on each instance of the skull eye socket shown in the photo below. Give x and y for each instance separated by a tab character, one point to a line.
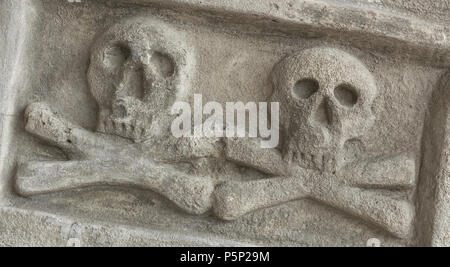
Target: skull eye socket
115	56
164	64
346	95
304	89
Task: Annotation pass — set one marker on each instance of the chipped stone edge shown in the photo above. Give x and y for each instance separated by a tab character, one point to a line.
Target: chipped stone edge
16	16
441	224
392	32
433	194
441	235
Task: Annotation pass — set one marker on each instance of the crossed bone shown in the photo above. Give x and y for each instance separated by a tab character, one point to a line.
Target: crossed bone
347	191
97	159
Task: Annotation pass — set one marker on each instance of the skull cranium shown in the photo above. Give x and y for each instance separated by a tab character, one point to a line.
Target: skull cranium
326	98
138	69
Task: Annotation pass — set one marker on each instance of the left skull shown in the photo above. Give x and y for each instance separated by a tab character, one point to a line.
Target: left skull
138	69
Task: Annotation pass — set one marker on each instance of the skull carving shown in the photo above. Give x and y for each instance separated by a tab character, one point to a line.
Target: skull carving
138	69
326	98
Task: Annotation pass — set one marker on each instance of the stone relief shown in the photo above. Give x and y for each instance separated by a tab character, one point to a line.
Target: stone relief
141	66
88	96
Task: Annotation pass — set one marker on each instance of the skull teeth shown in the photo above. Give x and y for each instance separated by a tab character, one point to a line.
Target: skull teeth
130	130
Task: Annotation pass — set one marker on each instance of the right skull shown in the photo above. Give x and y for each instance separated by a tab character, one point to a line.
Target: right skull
326	98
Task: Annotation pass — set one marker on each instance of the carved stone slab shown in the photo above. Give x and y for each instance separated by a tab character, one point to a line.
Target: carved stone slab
87	151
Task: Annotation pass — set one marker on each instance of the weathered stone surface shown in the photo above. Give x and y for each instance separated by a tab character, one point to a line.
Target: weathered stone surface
88	91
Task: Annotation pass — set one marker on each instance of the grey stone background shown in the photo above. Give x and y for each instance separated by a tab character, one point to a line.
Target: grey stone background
45	51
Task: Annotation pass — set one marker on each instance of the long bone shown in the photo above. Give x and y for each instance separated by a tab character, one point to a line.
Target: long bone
394	172
235	199
99	161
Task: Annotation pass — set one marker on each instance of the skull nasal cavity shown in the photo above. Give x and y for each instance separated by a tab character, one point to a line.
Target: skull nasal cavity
323	114
133	82
305	88
120	112
346	95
